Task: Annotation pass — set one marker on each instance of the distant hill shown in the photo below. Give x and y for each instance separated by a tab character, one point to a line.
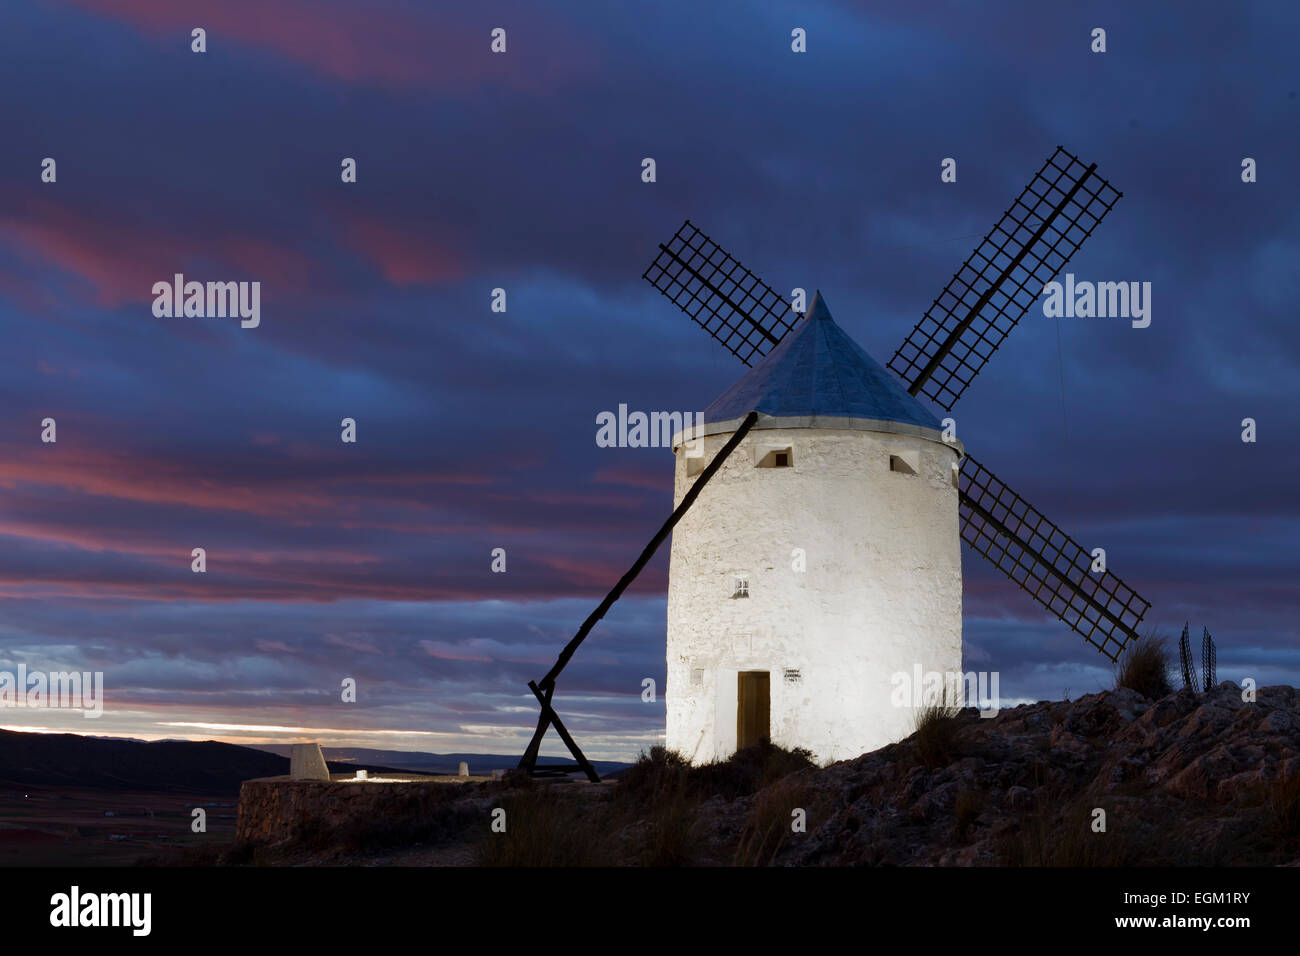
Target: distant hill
71	760
417	762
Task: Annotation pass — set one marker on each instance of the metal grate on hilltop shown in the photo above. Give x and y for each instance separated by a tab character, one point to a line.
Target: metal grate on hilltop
723	297
997	283
1046	562
1185	659
1209	660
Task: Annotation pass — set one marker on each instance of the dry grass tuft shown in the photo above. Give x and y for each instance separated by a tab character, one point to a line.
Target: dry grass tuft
1144	667
1284	810
1046	838
545	827
659	772
771	821
665	786
669	835
936	733
968	805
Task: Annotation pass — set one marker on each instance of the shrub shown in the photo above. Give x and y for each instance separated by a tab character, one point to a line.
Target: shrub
749	770
1144	667
655	773
936	733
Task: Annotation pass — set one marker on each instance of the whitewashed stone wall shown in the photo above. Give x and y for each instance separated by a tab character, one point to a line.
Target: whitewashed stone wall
881	593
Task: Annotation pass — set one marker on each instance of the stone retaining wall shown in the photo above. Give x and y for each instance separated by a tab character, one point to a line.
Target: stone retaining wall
276	810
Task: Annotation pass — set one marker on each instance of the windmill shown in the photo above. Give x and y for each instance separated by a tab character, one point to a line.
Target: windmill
989	294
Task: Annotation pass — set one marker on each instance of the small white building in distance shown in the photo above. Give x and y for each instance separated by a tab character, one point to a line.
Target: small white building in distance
822	560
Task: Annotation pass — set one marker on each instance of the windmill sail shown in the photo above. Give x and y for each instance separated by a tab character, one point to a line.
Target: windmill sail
1046	562
723	297
997	283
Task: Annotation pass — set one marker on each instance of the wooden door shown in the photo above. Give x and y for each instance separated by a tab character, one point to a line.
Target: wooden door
753	709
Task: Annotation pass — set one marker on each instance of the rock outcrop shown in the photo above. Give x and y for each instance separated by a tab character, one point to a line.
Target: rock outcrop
1192	778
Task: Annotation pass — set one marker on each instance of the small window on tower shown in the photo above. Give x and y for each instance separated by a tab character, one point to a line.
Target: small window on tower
694	465
740	587
777	458
956	476
901	465
697	676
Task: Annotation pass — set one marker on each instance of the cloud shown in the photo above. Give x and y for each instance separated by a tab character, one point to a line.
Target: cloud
388	45
120	259
476	428
404	257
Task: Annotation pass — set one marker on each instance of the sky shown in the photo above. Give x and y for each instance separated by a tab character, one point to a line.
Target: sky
476	429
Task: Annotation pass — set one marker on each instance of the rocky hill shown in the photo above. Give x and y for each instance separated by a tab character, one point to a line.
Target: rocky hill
1197	779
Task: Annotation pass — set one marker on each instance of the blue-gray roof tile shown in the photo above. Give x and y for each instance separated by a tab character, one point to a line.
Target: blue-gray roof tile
818	370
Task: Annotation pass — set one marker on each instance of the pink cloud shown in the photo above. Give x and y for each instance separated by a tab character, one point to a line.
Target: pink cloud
121	261
120	264
657	479
273	647
586	499
119	475
45	368
405	258
603	575
122	475
450	652
352	643
373	44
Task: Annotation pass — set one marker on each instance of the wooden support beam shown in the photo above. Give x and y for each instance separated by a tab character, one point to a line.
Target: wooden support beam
650	549
549	714
544	688
529	759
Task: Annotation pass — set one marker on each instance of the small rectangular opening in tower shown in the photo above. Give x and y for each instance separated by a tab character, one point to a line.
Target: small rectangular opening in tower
753	708
901	465
740	587
777	458
695	464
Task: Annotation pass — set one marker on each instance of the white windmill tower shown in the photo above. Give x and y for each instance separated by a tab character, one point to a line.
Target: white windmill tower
824	560
824	461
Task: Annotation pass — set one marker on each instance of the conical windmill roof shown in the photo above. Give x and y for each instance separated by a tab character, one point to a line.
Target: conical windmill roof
817	376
